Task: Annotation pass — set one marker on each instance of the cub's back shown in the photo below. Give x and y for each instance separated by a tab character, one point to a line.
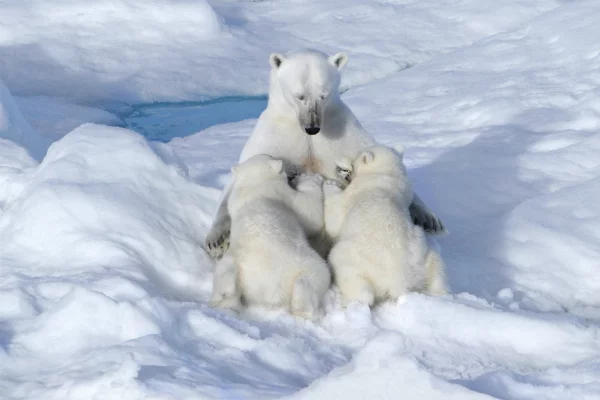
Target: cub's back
377	215
266	221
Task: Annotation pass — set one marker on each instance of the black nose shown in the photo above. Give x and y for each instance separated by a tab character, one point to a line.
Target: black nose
312	130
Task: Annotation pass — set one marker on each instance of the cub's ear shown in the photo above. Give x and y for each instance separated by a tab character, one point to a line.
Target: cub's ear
400	150
275	60
339	60
366	157
276	165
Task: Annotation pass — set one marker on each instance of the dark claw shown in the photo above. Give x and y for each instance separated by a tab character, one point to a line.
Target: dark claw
291	177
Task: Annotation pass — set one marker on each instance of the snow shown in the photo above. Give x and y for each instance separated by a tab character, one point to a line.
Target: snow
137	51
103	281
382	370
15	128
55	117
517	115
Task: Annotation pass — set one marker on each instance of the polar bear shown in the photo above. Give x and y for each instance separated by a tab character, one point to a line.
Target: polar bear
270	261
308	126
378	253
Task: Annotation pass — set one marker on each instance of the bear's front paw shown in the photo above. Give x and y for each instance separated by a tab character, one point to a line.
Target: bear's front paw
217	242
343	169
308	182
431	224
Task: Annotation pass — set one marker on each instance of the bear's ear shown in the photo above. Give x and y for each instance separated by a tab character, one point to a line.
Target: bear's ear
275	60
276	165
339	60
366	157
234	170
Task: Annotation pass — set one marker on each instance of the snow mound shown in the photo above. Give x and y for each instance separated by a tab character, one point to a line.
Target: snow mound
14	161
105	197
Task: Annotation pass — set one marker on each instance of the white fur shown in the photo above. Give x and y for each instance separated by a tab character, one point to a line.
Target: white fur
378	252
270	261
304	94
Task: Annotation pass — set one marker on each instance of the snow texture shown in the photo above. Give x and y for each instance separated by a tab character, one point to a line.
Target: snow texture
54	117
103	281
169	50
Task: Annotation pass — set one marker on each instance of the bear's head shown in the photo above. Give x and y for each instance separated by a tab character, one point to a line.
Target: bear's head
308	81
381	160
258	169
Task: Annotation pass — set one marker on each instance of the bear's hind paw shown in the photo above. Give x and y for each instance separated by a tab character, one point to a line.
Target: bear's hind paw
231	302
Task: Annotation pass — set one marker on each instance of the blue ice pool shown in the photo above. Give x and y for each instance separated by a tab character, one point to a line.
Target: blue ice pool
164	121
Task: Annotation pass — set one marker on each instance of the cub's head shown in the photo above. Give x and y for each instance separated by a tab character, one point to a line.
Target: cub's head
308	81
381	160
259	168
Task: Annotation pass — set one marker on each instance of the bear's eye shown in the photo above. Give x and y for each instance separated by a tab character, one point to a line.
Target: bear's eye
300	97
323	96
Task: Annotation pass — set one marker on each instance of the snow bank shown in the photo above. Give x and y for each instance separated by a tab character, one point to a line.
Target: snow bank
104	197
14	161
167	50
106	219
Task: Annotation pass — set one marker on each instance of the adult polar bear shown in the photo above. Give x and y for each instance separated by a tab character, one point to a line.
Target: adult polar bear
306	124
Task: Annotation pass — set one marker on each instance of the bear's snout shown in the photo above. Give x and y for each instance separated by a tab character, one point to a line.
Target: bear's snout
313	130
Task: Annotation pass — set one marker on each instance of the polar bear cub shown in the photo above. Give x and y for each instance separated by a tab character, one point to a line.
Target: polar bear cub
270	261
378	252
